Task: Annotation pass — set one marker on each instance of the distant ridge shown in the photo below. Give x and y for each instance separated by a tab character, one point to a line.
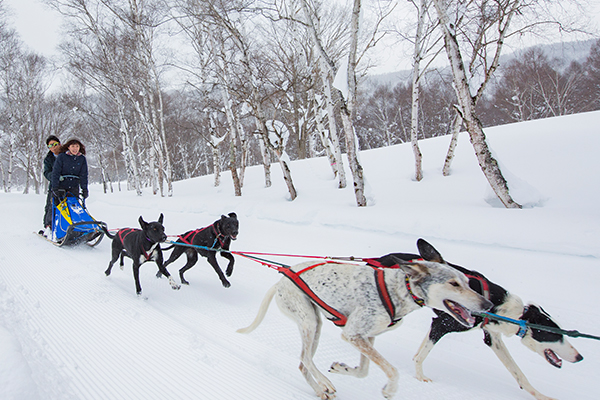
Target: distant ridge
567	51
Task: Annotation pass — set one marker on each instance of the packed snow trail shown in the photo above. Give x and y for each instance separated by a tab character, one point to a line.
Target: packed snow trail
69	332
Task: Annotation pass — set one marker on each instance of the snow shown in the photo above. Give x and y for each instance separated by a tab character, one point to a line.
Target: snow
69	332
340	81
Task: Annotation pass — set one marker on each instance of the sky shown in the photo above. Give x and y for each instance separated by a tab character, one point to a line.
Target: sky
68	332
39	27
37	24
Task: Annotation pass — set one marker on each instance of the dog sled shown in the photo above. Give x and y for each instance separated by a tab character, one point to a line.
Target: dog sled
72	224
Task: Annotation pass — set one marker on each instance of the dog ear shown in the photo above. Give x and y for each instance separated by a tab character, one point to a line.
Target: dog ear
412	269
428	252
161	218
143	223
232	215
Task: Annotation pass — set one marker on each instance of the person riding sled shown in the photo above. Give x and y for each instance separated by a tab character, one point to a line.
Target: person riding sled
70	172
53	144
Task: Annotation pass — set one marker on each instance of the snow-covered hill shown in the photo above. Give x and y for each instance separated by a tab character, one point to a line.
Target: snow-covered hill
69	332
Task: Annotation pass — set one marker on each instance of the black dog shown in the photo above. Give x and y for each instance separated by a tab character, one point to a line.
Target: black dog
551	346
141	246
216	236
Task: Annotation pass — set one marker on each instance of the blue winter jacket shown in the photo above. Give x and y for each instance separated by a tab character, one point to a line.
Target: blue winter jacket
70	172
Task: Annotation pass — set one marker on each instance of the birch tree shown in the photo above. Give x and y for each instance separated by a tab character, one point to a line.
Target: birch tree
463	86
10	57
328	71
235	29
348	110
95	58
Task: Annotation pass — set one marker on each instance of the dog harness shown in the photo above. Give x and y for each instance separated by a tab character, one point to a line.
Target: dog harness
188	238
123	233
385	297
338	318
485	290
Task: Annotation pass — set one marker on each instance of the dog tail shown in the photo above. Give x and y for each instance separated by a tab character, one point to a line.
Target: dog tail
262	311
105	229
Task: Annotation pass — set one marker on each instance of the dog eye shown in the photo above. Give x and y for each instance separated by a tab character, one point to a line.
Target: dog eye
454	283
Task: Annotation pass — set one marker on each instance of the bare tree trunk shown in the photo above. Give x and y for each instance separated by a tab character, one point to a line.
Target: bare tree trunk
265	161
456	124
328	72
338	164
416	90
232	167
347	112
487	162
322	133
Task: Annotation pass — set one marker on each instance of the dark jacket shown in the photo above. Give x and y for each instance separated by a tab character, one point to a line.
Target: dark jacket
48	166
70	172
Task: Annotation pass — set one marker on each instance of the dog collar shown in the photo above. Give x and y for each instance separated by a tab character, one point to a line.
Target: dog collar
420	302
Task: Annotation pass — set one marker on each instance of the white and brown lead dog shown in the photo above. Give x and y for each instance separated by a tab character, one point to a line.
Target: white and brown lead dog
366	301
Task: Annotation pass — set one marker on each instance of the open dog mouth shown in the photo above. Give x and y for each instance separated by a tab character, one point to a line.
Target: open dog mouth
461	313
552	358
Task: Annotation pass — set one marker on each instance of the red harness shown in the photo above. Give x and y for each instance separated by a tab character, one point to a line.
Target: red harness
485	288
123	233
338	318
188	238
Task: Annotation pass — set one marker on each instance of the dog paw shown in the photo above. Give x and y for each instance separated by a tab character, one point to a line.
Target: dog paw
340	368
327	396
226	284
389	390
174	285
328	393
423	378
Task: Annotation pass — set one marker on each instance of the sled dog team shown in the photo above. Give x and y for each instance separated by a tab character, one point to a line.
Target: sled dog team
364	300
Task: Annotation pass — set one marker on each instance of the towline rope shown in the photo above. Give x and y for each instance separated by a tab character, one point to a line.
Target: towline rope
524	325
276	265
252	254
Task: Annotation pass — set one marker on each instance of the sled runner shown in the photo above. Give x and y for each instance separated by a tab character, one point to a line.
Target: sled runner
73	225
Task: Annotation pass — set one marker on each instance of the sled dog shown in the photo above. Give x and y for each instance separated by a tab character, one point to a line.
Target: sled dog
216	236
366	301
551	346
140	245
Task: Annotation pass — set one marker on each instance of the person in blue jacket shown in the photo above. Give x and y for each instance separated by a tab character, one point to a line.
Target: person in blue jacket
53	144
70	172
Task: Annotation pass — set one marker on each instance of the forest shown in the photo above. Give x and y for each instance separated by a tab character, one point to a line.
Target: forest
166	90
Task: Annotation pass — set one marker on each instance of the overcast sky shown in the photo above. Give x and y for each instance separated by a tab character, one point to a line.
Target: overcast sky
39	27
36	23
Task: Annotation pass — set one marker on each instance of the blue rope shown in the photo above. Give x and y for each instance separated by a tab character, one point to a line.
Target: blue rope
523	325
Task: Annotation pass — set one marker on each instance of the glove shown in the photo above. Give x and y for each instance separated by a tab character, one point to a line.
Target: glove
85	193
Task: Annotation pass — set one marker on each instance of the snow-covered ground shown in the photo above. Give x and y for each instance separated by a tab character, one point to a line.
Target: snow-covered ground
69	332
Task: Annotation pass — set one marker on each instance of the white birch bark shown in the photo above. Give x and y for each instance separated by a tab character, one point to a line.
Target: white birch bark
338	164
416	90
487	162
347	112
456	124
328	72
